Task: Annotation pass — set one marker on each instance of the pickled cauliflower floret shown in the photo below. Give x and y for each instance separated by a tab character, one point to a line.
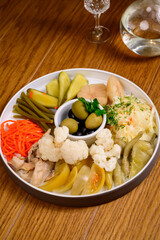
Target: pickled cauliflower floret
98	153
104	152
48	150
61	134
74	151
104	138
99	156
114	152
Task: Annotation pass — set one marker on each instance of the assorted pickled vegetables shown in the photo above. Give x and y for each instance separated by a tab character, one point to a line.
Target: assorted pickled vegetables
55	163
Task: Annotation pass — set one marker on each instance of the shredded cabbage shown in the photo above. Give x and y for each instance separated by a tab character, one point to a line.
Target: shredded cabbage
132	115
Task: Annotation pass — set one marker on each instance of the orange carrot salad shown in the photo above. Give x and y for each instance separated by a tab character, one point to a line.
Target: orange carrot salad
18	136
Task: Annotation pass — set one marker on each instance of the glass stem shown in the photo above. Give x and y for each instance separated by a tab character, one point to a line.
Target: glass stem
97	21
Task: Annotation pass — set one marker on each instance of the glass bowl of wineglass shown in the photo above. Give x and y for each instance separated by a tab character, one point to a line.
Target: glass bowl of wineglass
98	34
140	27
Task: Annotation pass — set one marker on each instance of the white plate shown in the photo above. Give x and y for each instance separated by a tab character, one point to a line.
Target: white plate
94	76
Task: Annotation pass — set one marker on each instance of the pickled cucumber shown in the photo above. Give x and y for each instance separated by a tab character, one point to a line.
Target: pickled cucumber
77	83
42	98
64	83
52	88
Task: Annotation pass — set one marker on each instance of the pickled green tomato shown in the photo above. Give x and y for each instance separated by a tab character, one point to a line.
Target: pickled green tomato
79	110
93	121
61	175
71	124
95	181
81	180
69	182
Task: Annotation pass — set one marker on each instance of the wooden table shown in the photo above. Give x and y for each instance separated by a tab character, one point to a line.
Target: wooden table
39	37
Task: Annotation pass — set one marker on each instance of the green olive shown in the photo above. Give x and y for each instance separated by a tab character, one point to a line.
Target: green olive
93	121
71	124
79	110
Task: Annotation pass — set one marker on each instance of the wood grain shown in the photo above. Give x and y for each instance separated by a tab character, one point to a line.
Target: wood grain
66	223
9	12
12	199
39	37
30	39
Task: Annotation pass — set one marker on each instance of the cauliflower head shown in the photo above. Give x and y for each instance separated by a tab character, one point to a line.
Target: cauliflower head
97	153
47	149
74	151
99	156
60	134
114	152
104	138
104	152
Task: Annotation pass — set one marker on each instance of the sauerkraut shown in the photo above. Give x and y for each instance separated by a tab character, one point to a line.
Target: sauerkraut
129	115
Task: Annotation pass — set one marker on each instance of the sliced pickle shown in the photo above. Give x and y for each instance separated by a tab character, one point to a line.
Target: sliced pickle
141	153
42	98
96	180
64	83
69	183
81	180
52	88
61	175
109	179
77	83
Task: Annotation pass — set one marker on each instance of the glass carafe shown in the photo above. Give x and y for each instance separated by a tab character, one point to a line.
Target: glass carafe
140	27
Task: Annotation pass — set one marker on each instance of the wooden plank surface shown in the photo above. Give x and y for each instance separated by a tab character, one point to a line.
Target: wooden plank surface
39	37
24	47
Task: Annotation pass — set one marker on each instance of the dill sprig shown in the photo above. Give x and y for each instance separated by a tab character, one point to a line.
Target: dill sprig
111	116
112	111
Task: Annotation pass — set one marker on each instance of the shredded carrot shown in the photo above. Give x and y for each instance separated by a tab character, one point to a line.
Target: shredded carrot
17	137
130	120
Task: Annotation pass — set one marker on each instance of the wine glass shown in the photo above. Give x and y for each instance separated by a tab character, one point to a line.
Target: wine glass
98	34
